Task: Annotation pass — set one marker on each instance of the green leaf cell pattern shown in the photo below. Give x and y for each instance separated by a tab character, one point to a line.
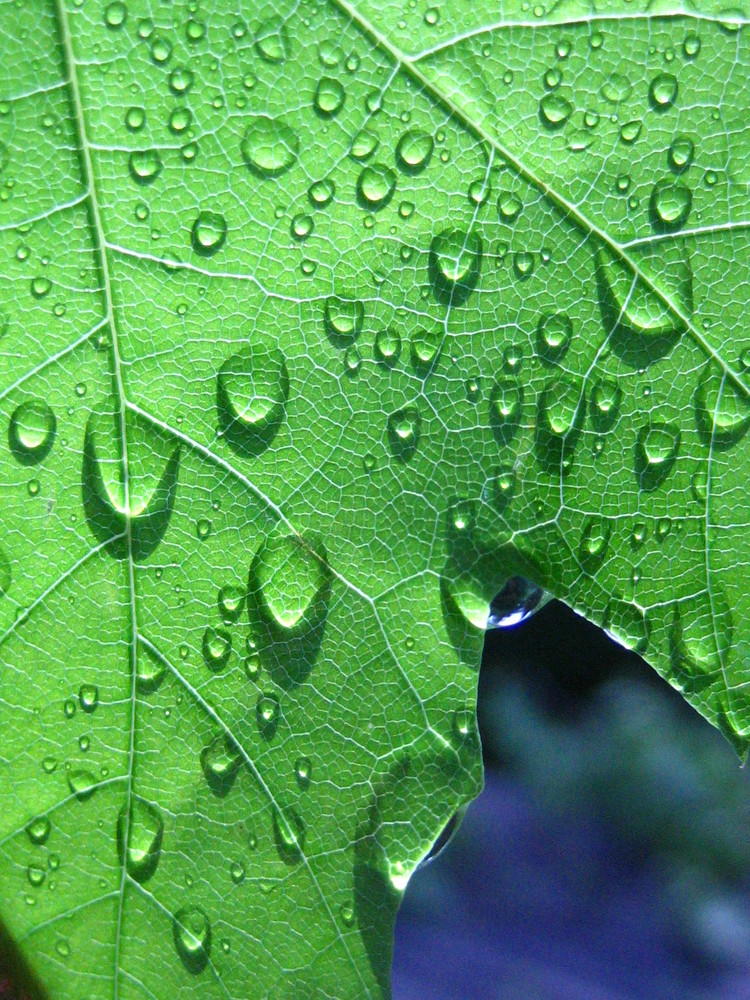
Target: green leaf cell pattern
323	323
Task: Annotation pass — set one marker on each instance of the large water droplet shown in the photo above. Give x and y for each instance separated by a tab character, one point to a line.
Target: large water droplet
153	465
269	147
31	432
560	411
289	834
722	409
289	578
144	166
192	938
271	40
516	603
343	319
554	110
144	828
662	92
231	601
627	624
404	427
387	346
220	762
208	234
701	637
656	451
329	97
251	394
455	261
217	648
669	206
414	151
424	348
375	186
39	829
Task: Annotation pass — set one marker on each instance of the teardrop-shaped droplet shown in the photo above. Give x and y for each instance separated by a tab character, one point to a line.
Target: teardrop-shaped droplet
38	830
251	396
31	432
604	404
656	449
363	145
329	97
217	648
289	834
88	697
680	154
150	670
424	348
321	193
554	110
269	147
208	234
220	762
387	346
144	166
192	938
509	206
290	579
303	771
662	92
404	428
267	714
594	542
503	487
554	334
143	828
722	408
414	151
517	601
271	40
82	783
506	409
231	602
343	319
375	186
560	411
669	206
148	501
455	261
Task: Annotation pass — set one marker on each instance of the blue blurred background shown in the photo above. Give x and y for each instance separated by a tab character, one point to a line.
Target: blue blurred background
608	857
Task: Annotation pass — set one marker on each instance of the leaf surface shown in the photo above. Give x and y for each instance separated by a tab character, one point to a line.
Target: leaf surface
323	325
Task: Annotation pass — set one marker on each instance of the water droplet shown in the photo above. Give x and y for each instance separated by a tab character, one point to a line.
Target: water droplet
252	666
387	346
404	428
554	333
455	261
135	119
115	14
321	193
629	131
35	875
627	624
680	154
523	265
208	233
290	581
220	762
150	671
701	636
270	147
699	485
289	834
69	708
465	725
267	713
375	186
303	772
88	697
616	88
38	830
594	542
656	451
192	938
554	110
424	348
203	528
343	319
479	191
231	602
363	145
669	206
559	415
503	487
517	601
179	120
329	97
506	406
31	432
347	914
161	51
662	92
144	166
414	151
722	409
302	226
82	783
143	827
237	873
509	206
692	45
271	41
604	406
217	647
251	396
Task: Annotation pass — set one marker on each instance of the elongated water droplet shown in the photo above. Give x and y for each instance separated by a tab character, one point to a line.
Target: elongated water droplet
387	346
604	404
554	333
289	834
31	432
680	154
657	446
669	206
627	624
303	771
217	648
271	40
143	827
82	783
424	348
150	671
269	147
220	762
517	601
455	261
267	714
503	486
506	409
251	396
414	151
208	234
88	697
375	186
629	131
343	319
192	938
231	602
329	97
594	542
404	427
722	409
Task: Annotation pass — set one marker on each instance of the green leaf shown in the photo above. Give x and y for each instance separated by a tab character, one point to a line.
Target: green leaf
321	324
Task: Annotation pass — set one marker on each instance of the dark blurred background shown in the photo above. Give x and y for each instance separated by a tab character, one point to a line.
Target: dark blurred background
608	857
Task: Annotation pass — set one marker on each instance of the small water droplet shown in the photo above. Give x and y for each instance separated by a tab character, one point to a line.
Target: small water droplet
594	542
554	110
237	872
329	97
289	834
509	206
604	405
269	147
699	485
343	319
303	771
39	829
680	154
252	391
217	648
404	428
656	450
82	783
506	406
143	827
267	714
35	875
88	697
135	119
302	226
220	762
669	206
231	601
692	45
455	261
347	914
554	334
208	234
203	528
31	432
192	938
424	348
662	92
